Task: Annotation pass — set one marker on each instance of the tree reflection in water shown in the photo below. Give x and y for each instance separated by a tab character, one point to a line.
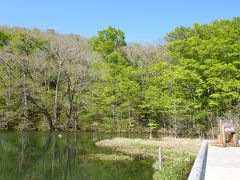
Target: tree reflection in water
35	155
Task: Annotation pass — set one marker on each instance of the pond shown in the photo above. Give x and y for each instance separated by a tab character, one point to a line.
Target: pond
43	155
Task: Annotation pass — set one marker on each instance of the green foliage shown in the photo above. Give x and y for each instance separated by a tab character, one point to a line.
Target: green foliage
176	166
108	41
182	87
205	55
152	124
26	44
4	38
118	90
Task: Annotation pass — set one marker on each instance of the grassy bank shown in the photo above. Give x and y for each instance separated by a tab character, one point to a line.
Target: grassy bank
176	166
178	154
108	157
149	147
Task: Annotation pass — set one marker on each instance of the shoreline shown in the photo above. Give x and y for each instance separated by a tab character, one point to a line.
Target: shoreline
178	154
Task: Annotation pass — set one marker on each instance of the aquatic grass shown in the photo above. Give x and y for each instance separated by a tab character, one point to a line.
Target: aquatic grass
176	166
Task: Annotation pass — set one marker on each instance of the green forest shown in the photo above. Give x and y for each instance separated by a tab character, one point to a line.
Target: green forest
182	85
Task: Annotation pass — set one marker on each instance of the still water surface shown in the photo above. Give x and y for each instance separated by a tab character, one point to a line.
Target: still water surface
42	155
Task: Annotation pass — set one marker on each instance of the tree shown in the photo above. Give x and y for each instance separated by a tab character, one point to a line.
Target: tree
211	52
108	41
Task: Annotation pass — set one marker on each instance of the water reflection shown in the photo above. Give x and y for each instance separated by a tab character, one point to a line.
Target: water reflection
46	156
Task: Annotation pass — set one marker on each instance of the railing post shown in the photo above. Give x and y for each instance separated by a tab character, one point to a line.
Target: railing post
160	157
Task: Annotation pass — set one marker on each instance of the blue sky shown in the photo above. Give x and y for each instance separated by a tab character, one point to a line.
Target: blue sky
142	20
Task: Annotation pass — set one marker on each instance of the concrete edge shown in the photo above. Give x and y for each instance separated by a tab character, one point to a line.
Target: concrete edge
199	166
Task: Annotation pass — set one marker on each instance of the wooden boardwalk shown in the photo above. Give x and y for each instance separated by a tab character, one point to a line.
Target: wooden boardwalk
223	163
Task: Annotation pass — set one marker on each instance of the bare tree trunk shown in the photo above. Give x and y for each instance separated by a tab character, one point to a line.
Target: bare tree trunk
76	116
150	133
210	119
56	105
175	120
212	130
45	112
25	96
69	108
49	75
129	115
49	119
47	82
